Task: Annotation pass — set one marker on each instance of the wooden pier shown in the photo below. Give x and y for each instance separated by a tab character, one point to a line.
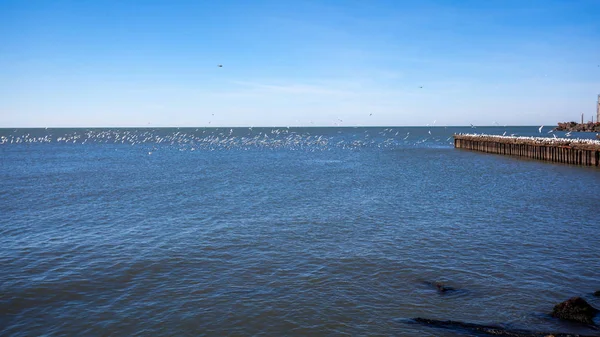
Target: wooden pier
584	152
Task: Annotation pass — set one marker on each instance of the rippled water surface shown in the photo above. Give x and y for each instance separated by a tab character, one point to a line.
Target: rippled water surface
277	231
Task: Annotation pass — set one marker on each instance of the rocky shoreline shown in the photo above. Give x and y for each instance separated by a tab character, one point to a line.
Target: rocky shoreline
578	127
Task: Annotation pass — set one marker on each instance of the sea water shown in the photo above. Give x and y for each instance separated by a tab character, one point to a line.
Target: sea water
287	231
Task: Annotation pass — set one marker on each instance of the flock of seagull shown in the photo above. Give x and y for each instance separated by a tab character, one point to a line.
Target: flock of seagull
247	138
226	138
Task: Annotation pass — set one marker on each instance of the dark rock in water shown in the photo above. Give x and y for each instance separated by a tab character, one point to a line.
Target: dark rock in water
442	288
597	293
487	329
575	309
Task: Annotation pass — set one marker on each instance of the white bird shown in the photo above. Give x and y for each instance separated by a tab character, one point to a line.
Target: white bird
554	136
429	131
540	129
504	134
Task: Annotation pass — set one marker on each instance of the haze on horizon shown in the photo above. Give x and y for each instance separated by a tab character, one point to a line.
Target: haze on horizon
301	63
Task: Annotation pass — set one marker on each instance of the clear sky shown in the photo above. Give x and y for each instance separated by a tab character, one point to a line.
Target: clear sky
291	63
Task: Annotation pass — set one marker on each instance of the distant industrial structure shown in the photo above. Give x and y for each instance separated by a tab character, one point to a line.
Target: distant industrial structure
591	126
597	112
598	109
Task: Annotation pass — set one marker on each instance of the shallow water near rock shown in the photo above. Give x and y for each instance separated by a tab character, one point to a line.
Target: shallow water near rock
286	231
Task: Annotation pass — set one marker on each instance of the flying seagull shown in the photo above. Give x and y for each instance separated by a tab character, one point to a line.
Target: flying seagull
540	129
220	66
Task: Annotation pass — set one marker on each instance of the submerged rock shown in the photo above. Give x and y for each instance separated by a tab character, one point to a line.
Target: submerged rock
439	286
575	309
487	329
443	288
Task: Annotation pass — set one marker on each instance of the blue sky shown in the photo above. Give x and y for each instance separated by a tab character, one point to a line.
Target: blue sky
291	63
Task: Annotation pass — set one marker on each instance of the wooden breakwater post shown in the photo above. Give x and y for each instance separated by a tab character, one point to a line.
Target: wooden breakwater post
585	152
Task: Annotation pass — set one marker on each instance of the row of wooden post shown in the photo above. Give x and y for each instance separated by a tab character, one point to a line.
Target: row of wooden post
548	152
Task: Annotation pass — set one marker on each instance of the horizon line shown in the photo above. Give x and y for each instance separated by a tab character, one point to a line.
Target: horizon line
273	126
